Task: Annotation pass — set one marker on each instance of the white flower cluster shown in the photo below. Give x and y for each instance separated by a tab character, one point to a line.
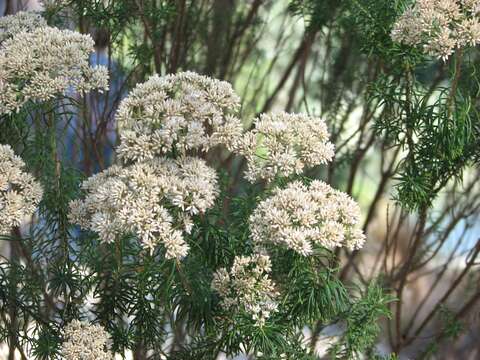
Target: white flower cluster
439	26
247	286
283	144
301	217
153	197
84	341
28	21
45	63
153	200
177	113
19	192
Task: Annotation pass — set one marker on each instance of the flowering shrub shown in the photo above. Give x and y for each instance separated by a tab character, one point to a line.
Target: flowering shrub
159	213
161	191
161	196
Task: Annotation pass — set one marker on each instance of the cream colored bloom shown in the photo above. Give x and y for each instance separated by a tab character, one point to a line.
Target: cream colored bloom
19	192
153	200
180	113
247	286
302	218
283	144
439	26
84	341
46	63
22	21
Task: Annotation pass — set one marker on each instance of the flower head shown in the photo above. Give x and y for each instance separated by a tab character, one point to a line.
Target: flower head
439	26
153	200
45	63
19	192
283	144
84	341
302	217
247	286
179	113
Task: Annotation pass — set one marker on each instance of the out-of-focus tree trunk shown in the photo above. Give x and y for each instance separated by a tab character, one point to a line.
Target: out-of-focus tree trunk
222	15
13	6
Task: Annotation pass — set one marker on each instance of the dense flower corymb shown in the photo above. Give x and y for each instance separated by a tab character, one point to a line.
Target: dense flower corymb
22	21
46	63
302	217
84	341
439	26
177	113
247	286
19	192
283	144
153	200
